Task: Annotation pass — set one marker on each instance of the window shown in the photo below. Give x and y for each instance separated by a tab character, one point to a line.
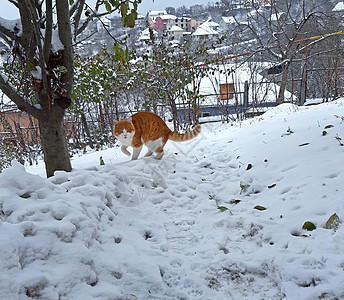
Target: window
205	114
226	91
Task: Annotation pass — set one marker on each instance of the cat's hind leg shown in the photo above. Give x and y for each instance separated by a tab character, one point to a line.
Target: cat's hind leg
160	148
149	152
155	146
136	152
159	153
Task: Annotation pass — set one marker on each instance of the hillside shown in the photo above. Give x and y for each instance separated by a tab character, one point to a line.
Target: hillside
187	226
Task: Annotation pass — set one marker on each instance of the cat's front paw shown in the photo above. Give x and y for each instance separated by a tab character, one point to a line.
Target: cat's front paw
125	151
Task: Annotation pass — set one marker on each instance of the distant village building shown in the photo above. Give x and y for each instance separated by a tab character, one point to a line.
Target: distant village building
159	24
176	33
162	21
156	13
19	127
14	120
208	30
239	91
156	20
140	21
182	23
194	24
227	23
178	29
145	35
339	9
171	21
211	24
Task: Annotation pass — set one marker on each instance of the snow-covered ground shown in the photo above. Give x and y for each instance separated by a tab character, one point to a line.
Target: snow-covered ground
185	226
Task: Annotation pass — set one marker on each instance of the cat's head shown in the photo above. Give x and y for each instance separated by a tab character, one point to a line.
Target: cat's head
124	130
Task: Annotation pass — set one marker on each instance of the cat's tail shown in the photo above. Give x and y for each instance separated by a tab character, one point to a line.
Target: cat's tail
177	137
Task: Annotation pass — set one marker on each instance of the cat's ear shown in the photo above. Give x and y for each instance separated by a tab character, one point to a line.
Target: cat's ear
115	122
130	120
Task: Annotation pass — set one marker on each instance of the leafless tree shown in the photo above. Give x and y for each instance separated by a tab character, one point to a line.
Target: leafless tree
278	31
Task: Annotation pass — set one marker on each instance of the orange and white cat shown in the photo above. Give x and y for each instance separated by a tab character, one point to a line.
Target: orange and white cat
149	129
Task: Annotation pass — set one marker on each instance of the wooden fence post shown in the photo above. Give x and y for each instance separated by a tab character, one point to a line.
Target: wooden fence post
245	96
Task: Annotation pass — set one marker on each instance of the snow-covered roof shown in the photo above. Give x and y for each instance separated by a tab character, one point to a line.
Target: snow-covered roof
210	24
145	35
4	99
155	13
144	38
184	18
204	30
175	28
168	17
229	20
339	6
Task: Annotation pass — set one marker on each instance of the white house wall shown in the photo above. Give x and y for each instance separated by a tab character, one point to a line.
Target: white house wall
210	85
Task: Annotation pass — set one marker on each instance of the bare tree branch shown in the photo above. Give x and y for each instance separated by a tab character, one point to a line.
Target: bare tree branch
20	101
65	36
76	12
48	30
41	55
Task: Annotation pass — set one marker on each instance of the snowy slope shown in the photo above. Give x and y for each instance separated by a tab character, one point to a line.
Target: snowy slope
150	229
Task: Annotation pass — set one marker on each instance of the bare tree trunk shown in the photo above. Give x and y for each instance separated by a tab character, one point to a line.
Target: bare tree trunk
174	113
196	111
101	117
84	124
87	130
54	143
283	85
